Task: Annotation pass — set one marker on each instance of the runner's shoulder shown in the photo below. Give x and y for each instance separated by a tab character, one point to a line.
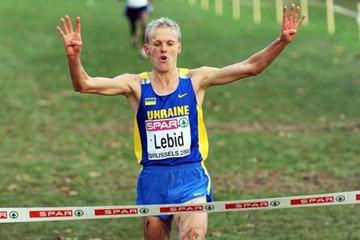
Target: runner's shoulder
129	78
201	72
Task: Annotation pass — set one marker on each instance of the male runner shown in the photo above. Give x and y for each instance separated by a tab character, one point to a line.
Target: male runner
169	134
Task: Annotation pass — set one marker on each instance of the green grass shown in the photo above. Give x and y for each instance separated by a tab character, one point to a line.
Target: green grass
292	130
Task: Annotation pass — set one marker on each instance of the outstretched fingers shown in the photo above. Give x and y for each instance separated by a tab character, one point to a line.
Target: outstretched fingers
285	13
292	18
64	26
61	33
292	21
285	19
77	25
301	20
70	36
298	18
68	24
292	13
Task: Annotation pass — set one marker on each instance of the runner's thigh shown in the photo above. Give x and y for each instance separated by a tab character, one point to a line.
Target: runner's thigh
192	226
156	228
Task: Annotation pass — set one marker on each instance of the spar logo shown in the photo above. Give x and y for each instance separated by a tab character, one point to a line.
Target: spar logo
167	124
275	203
3	214
192	208
183	122
313	200
116	211
79	213
144	210
209	207
12	215
51	213
159	125
340	198
260	204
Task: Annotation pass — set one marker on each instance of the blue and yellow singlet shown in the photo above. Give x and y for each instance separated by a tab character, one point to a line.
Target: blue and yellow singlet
169	130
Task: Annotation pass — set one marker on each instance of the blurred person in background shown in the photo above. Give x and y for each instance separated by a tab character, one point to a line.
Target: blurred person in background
170	139
137	13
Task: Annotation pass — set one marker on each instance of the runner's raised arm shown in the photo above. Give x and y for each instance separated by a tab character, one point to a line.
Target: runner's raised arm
207	76
123	84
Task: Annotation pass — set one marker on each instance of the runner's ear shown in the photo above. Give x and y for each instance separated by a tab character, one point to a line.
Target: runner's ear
146	48
179	48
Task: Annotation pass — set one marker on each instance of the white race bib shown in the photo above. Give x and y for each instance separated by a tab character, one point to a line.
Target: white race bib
168	138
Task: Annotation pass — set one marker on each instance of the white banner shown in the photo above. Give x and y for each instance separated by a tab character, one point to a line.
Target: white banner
41	214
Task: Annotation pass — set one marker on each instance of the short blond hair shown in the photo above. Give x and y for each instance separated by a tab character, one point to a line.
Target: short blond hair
161	22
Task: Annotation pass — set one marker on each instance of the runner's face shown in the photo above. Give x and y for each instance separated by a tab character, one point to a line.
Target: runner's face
163	48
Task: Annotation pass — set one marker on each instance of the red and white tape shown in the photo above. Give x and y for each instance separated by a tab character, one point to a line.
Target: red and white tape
13	215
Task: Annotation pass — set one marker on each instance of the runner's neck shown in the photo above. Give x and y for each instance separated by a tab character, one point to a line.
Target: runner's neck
164	83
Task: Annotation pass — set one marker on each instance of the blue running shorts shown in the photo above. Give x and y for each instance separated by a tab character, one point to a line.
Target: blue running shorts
173	184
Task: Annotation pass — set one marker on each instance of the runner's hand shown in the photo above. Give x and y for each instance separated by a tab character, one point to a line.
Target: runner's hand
71	38
291	23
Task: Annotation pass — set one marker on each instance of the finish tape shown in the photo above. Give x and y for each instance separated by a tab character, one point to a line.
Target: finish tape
14	215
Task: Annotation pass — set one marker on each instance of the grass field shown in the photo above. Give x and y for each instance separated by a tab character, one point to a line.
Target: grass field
292	130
